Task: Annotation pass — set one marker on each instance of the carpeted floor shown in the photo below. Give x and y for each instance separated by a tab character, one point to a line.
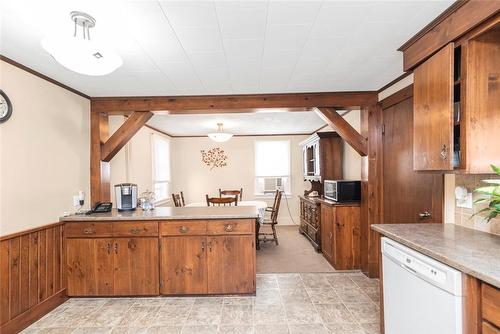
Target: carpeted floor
295	254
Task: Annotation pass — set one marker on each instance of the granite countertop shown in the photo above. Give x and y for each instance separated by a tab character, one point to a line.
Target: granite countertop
170	213
473	252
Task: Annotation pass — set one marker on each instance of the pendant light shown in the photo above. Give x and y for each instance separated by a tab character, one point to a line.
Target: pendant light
220	136
79	53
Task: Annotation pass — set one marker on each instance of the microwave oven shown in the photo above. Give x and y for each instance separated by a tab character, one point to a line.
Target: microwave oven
342	190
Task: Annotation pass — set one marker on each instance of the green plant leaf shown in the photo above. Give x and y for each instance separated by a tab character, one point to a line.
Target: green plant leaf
485	190
481	211
492	215
496	169
481	200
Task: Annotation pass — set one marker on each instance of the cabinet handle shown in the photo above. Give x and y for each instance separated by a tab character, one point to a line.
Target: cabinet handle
425	214
135	230
116	248
210	246
88	230
444	152
228	227
184	229
109	247
203	246
331	235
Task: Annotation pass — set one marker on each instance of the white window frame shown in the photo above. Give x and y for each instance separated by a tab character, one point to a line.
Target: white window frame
155	181
259	179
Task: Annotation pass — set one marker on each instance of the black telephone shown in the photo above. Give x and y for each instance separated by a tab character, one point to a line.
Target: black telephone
101	207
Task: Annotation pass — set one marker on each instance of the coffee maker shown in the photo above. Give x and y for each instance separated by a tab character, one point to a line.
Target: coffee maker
126	196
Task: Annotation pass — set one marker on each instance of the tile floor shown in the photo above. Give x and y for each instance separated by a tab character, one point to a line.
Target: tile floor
285	303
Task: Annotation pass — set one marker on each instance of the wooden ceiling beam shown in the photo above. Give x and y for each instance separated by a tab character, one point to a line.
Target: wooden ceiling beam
126	131
223	103
344	129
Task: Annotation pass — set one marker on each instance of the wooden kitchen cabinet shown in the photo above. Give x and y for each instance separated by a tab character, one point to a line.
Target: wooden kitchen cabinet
457	104
98	265
207	257
226	252
89	267
433	112
341	238
135	264
310	220
183	265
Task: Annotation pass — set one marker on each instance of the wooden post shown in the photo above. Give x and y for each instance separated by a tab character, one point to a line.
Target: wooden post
99	170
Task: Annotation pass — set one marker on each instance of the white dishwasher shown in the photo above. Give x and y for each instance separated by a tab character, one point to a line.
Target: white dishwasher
421	295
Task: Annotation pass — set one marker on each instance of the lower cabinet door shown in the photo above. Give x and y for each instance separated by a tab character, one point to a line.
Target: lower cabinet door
89	267
327	232
346	238
136	266
183	265
231	263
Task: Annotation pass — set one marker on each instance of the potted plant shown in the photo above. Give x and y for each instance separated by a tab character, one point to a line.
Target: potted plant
491	194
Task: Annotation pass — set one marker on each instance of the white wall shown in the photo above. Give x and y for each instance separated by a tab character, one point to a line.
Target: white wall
196	180
44	151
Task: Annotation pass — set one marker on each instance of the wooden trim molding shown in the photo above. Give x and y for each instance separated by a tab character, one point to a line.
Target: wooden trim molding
220	103
401	77
344	129
32	276
42	76
457	20
397	97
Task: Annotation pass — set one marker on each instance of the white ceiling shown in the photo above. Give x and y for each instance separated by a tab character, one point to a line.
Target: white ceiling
259	123
225	47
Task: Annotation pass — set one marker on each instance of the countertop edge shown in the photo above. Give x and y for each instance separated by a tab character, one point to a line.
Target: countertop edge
437	256
166	218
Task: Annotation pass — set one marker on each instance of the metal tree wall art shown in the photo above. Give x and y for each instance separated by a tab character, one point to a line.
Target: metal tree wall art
214	157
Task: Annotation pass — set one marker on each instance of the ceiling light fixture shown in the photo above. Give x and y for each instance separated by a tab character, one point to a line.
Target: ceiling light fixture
80	54
220	136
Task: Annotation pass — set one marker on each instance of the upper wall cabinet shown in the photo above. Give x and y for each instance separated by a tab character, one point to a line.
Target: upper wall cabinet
322	156
457	105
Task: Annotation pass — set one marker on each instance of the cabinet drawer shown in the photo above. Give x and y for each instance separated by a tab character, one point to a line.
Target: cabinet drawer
231	227
88	230
491	304
489	329
184	227
135	229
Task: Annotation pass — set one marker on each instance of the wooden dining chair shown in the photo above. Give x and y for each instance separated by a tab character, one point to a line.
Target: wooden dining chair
178	199
272	220
231	193
222	201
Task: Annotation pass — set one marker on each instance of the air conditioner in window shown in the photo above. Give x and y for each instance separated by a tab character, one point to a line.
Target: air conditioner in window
271	184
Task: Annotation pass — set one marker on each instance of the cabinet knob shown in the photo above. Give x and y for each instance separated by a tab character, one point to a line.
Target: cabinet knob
444	152
228	227
88	230
135	230
425	214
116	248
184	229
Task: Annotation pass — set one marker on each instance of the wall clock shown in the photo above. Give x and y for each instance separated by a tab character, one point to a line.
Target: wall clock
5	107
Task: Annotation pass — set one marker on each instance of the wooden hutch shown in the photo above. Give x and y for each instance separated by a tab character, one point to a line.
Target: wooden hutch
322	160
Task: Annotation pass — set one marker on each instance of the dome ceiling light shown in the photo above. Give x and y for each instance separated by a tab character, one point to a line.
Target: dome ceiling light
220	136
79	53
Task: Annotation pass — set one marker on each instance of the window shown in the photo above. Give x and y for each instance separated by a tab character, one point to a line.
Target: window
272	166
161	167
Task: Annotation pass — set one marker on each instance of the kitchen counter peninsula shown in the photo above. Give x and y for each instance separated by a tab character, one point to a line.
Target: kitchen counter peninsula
166	251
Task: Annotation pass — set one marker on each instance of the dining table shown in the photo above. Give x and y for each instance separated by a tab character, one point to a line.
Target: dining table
260	205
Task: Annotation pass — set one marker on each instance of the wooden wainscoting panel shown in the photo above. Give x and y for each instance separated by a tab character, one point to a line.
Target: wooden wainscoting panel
31	278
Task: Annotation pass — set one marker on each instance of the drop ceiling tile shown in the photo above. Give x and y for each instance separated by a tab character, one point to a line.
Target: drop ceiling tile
338	19
242	51
279	58
242	20
286	37
190	13
293	12
208	60
200	39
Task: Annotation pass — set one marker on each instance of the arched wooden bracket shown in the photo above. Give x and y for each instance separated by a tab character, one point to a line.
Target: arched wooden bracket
121	137
344	129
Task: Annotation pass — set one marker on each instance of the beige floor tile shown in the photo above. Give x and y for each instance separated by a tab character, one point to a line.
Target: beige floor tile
237	315
340	281
308	329
268	296
269	314
323	296
315	281
56	330
208	301
204	315
371	328
93	330
199	329
172	315
129	330
344	329
186	301
266	282
238	300
350	294
164	330
271	329
289	281
301	314
235	329
334	314
365	313
294	296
